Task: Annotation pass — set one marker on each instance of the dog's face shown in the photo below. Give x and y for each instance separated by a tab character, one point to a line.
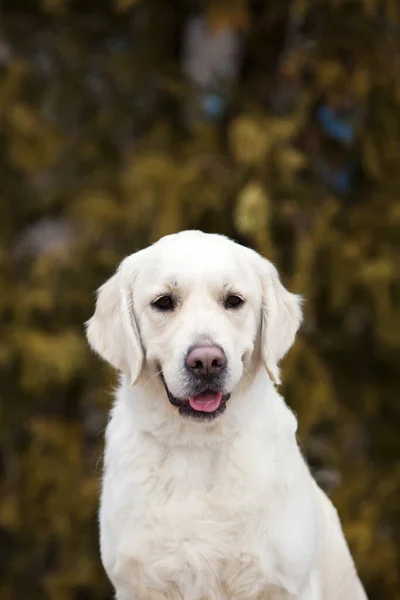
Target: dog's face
198	311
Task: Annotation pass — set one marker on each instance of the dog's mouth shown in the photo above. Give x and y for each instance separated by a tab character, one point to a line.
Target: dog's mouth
206	405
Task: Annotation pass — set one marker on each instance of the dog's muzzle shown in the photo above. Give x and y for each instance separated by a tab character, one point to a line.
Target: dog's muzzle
206	402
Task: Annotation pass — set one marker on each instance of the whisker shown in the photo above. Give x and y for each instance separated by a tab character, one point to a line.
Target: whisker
152	377
247	372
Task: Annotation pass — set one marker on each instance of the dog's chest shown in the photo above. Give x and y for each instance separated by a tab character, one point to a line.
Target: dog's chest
204	526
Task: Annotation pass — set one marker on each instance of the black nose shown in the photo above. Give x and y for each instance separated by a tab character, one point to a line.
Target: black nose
206	361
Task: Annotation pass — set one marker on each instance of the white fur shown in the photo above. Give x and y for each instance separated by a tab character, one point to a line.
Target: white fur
215	510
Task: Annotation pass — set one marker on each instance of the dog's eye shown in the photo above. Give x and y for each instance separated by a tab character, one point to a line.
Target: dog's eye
164	303
233	301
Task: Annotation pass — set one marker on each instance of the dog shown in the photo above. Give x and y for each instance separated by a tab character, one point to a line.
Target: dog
206	495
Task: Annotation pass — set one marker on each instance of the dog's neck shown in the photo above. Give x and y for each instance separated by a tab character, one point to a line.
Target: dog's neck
254	402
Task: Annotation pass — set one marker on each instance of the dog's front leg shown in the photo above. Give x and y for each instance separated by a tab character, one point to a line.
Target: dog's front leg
311	591
147	595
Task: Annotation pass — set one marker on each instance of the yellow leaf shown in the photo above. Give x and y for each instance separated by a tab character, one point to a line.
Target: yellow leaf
252	209
249	140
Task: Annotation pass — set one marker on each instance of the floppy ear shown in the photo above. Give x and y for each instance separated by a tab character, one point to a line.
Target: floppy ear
112	331
281	318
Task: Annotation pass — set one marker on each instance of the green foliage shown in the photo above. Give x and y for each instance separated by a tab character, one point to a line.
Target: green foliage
93	138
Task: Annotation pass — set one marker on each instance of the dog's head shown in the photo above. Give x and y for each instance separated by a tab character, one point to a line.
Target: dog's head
198	311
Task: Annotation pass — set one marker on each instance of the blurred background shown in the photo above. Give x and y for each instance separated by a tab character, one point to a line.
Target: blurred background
276	122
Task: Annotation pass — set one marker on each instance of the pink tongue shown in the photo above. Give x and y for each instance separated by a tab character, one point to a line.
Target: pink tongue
207	402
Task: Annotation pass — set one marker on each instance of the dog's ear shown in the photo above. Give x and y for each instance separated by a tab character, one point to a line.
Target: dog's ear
112	331
281	318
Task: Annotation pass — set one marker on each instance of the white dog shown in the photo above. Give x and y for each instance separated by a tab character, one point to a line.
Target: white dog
206	495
